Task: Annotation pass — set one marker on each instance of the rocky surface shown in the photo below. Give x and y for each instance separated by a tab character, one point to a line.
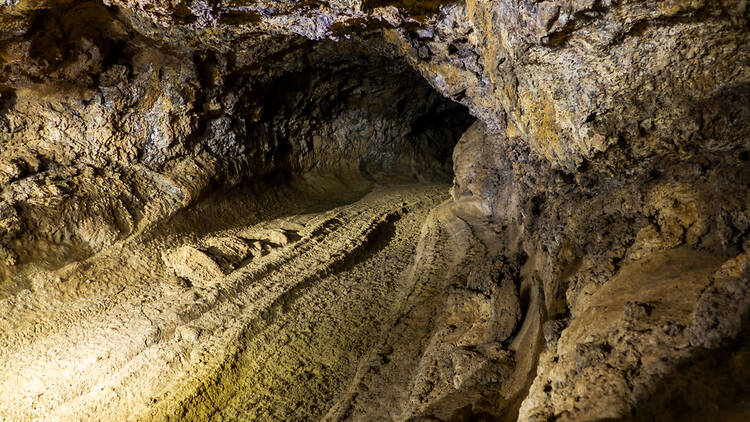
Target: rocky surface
238	210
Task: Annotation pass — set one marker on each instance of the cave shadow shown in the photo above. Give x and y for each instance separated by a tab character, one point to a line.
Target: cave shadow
710	386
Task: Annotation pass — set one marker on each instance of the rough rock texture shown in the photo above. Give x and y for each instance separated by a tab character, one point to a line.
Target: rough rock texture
234	210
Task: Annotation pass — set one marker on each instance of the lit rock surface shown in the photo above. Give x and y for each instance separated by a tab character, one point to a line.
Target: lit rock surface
241	210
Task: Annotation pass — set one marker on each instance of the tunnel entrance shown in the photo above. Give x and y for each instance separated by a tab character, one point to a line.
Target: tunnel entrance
315	132
346	105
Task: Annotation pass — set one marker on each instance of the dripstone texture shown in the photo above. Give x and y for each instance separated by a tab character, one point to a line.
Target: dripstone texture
215	209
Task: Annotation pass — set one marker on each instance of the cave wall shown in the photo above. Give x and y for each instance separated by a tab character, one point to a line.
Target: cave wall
608	162
595	83
627	271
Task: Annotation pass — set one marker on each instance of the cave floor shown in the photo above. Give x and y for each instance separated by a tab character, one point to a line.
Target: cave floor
245	306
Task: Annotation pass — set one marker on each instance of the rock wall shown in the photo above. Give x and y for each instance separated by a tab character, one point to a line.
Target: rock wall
596	246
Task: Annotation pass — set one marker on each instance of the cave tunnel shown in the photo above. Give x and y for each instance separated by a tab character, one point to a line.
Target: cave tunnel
349	107
374	210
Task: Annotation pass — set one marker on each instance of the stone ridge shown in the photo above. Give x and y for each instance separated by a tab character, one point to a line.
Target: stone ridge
591	264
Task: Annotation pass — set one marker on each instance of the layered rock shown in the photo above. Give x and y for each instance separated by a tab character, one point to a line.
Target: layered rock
594	251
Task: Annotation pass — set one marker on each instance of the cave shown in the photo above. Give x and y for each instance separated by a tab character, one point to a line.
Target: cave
370	210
